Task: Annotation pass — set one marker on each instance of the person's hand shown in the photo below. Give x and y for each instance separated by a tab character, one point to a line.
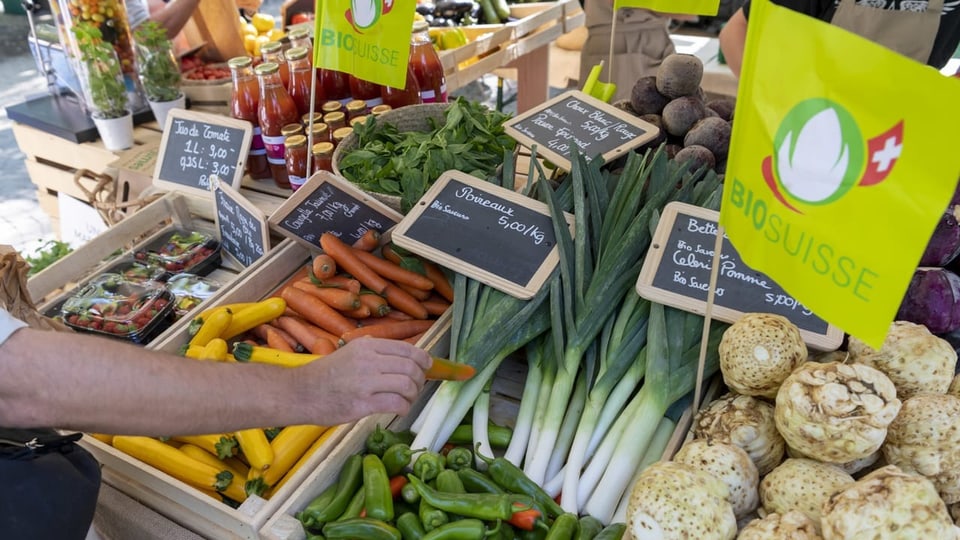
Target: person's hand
249	6
365	377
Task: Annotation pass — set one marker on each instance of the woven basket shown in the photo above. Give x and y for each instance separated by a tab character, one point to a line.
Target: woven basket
406	119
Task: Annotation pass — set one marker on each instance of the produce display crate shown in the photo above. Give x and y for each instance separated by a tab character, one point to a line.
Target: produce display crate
212	98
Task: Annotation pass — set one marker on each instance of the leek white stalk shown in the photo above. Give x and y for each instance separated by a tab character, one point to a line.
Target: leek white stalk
568	429
658	445
481	417
528	405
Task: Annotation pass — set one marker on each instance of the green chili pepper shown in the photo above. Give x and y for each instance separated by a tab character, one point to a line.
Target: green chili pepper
320	502
462	529
511	478
590	527
315	537
506	532
482	506
354	508
459	458
614	531
410	527
402	507
428	466
410	494
379	440
499	435
449	482
366	528
318	513
477	482
536	534
430	516
564	527
396	458
376	489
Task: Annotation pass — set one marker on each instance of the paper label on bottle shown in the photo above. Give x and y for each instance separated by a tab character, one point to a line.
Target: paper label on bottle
256	142
428	96
443	92
296	181
275	148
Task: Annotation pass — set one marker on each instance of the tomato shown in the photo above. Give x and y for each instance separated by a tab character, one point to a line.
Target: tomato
302	17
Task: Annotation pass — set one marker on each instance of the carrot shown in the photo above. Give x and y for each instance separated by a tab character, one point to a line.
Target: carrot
390	254
401	300
347	260
374	321
435	305
446	370
316	340
397	315
395	330
324	266
344	282
394	272
440	282
413	340
419	294
336	298
286	336
362	312
369	241
265	331
375	303
276	341
317	311
298	275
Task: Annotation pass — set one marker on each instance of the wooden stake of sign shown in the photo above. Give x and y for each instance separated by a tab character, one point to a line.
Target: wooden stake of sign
708	317
244	234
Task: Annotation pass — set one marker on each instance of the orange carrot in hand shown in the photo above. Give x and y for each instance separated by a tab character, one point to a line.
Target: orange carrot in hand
316	311
402	301
446	370
394	330
336	298
369	241
394	272
324	266
347	260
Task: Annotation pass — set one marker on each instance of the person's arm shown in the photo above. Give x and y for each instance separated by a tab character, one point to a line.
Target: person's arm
174	16
732	40
93	384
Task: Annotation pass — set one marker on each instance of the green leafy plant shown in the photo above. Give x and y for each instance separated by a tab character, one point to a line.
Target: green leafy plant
47	254
156	64
106	91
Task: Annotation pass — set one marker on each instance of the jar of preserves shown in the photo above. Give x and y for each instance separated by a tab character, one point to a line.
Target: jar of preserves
335	121
331	106
380	109
320	132
401	97
356	108
323	157
244	105
335	84
317	118
290	130
301	76
275	111
358	120
365	90
273	52
295	155
426	65
341	134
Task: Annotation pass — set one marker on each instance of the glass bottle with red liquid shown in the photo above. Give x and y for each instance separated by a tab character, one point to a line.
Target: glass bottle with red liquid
401	97
273	52
245	105
300	37
301	75
426	65
295	155
277	109
366	91
335	84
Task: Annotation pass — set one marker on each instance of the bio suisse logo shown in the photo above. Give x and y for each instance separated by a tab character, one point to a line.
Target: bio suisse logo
365	14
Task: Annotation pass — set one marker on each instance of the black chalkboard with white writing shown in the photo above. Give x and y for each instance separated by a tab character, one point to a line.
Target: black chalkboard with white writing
243	229
196	146
485	231
678	266
575	121
328	203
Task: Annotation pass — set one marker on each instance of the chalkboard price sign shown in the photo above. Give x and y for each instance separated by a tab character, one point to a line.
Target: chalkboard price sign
577	121
243	227
196	146
484	231
676	272
329	203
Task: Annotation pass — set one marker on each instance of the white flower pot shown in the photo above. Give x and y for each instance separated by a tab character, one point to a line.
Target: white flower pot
116	133
161	108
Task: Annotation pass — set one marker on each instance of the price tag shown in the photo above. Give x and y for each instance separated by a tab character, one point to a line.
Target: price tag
243	227
575	121
676	272
492	234
196	146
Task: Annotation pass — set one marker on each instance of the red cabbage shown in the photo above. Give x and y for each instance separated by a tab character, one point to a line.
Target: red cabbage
944	245
933	300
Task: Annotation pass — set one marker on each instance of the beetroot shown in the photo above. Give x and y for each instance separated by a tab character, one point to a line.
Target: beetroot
933	300
944	245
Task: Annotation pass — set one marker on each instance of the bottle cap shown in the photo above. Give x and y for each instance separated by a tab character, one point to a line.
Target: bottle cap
267	68
239	62
323	148
294	141
291	129
296	53
270	47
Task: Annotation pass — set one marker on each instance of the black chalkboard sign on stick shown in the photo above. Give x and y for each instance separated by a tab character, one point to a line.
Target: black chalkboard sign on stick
676	272
492	234
330	203
196	146
576	121
244	235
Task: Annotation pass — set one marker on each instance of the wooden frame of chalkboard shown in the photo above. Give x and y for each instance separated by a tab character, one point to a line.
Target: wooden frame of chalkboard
245	238
327	202
676	273
196	145
553	131
492	234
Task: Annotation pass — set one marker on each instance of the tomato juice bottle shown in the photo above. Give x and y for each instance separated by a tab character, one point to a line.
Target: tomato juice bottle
426	65
273	52
276	110
366	91
335	84
244	105
300	37
401	97
301	75
295	155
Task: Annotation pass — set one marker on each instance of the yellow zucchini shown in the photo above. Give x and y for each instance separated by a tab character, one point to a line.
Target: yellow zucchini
213	325
198	320
254	315
106	439
222	446
216	349
171	461
300	462
288	447
203	456
256	448
244	352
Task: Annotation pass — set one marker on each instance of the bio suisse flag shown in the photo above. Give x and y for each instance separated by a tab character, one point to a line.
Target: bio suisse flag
370	39
841	163
692	7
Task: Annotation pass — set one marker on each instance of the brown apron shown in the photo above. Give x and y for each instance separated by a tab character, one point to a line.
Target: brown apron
910	33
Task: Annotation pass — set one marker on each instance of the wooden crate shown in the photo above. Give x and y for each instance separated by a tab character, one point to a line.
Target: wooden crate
212	98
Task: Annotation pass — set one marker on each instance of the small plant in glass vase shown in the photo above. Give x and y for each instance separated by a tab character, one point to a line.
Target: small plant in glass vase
158	69
102	81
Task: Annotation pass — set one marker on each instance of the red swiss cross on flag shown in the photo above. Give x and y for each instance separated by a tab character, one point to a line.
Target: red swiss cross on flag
882	153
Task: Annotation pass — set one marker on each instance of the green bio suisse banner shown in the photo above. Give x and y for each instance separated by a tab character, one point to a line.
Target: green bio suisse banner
370	39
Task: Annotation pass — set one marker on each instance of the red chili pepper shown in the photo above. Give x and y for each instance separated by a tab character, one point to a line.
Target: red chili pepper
396	484
524	519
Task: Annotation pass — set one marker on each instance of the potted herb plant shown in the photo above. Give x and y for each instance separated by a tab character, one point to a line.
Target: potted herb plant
158	69
102	82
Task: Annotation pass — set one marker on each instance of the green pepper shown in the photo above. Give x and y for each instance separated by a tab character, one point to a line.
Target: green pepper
536	534
462	529
428	465
410	527
354	508
477	482
614	531
366	528
486	507
564	527
316	505
379	440
590	527
320	511
410	494
315	537
499	435
431	517
401	507
459	458
376	489
396	458
449	482
511	478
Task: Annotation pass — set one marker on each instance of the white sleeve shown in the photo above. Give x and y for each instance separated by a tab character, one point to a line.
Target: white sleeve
8	325
137	12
